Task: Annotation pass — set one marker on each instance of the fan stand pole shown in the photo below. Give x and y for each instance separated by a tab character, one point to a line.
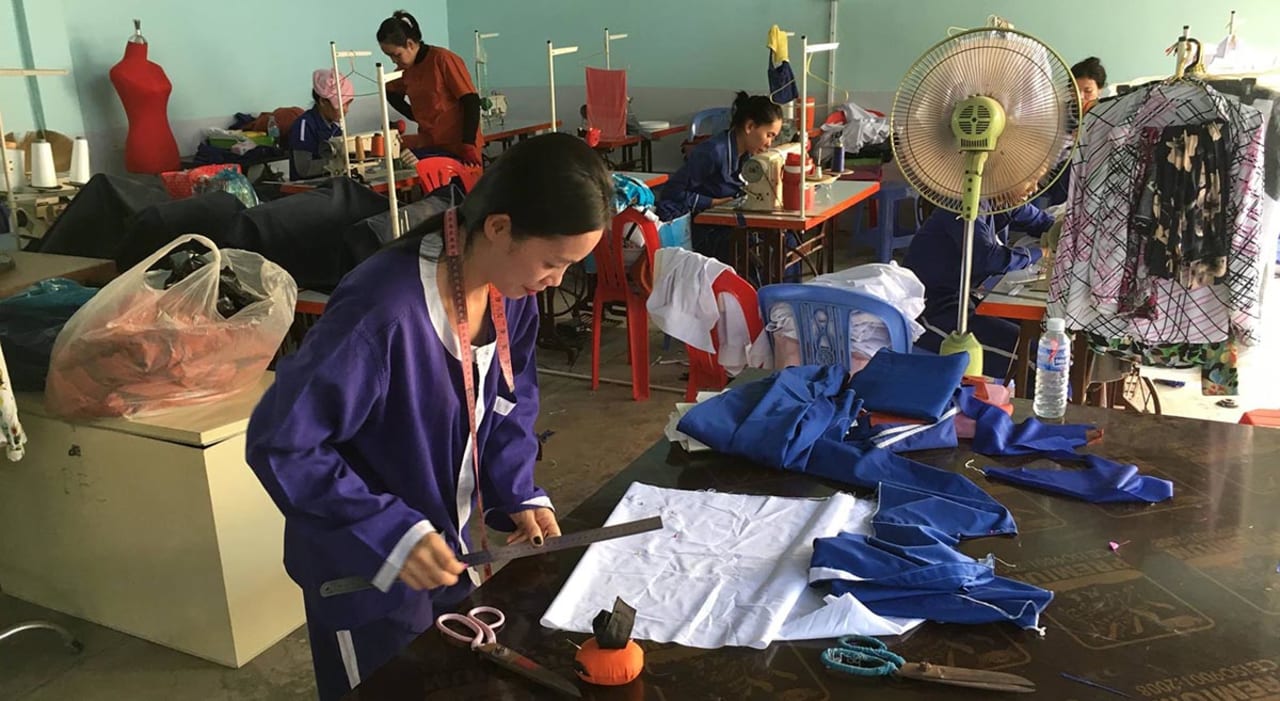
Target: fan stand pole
966	270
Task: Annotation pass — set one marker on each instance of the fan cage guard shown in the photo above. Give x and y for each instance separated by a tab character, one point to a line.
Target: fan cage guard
1042	112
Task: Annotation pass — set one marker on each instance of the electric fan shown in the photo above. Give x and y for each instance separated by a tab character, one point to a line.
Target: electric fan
983	122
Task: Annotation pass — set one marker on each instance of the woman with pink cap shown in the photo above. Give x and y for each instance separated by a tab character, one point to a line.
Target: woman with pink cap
309	136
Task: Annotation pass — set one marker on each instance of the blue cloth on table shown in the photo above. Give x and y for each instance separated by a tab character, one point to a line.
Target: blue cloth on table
776	421
1101	481
912	385
797	419
923	579
907	437
996	435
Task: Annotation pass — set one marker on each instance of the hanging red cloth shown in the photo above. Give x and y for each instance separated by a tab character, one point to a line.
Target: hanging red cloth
144	90
607	102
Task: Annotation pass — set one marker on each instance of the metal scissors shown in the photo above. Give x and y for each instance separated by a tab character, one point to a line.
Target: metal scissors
868	657
482	624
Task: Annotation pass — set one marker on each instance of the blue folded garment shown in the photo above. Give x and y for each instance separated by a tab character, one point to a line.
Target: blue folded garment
923	580
1101	481
996	435
908	384
775	421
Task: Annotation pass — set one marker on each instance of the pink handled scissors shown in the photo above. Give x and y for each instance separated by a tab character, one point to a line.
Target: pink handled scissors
482	624
480	631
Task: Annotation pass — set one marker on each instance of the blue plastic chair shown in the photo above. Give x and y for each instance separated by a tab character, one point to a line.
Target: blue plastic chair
704	124
890	234
822	319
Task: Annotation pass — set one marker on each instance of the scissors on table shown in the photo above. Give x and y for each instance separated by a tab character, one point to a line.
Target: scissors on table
868	657
482	624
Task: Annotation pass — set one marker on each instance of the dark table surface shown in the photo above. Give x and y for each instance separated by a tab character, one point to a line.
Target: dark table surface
1187	609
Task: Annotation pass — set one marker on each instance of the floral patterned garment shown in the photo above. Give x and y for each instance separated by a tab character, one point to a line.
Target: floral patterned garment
1103	279
1218	362
14	439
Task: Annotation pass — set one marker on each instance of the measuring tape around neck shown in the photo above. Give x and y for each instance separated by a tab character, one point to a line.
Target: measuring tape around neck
453	259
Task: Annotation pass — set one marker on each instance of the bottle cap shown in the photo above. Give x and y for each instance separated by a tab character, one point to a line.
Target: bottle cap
1056	325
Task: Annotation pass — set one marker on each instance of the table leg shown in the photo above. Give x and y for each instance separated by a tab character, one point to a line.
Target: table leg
1081	367
646	156
1028	332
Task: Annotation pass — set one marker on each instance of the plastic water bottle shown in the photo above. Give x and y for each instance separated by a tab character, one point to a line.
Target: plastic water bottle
1053	363
273	131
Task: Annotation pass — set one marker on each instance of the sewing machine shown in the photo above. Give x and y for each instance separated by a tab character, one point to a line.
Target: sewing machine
333	154
493	108
763	174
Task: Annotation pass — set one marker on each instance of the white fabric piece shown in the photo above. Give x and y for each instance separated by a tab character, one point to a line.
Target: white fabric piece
861	129
682	304
674	434
725	570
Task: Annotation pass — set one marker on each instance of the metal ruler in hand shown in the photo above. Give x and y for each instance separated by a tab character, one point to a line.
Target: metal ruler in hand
577	539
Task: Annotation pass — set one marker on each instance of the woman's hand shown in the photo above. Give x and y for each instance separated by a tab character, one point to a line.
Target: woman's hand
407	158
533	525
431	564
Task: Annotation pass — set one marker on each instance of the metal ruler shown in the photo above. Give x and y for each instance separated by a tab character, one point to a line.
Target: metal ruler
577	539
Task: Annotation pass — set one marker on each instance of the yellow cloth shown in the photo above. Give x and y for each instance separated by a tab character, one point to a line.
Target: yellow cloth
777	44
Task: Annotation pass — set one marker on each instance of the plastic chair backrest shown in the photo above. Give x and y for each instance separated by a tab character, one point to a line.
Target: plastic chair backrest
611	271
438	171
709	122
607	101
705	371
822	319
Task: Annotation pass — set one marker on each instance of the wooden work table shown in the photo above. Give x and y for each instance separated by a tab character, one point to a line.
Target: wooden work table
1187	609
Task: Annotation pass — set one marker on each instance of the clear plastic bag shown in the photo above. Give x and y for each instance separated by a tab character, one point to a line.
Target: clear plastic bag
157	339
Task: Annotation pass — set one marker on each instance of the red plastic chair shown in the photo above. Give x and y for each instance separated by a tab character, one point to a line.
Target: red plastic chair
612	285
705	371
436	172
1261	417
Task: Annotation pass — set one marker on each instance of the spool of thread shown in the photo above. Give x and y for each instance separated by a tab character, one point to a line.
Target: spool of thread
16	162
378	147
837	160
80	172
360	151
42	172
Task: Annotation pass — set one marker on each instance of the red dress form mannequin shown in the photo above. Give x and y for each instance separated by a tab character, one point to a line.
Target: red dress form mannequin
144	90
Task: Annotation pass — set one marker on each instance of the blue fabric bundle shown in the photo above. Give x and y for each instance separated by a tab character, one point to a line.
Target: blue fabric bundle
911	385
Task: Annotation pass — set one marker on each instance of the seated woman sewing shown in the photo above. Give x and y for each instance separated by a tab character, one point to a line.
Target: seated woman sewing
712	174
935	257
309	148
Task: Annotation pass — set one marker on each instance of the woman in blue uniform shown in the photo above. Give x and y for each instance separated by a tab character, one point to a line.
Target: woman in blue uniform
309	136
935	255
364	441
712	174
1091	78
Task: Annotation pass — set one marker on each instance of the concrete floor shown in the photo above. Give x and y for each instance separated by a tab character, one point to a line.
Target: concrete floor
596	434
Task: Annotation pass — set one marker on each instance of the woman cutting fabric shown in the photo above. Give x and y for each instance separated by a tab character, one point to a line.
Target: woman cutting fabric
712	174
435	91
365	441
310	133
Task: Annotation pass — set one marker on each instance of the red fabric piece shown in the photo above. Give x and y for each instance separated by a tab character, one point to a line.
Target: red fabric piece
144	91
607	102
